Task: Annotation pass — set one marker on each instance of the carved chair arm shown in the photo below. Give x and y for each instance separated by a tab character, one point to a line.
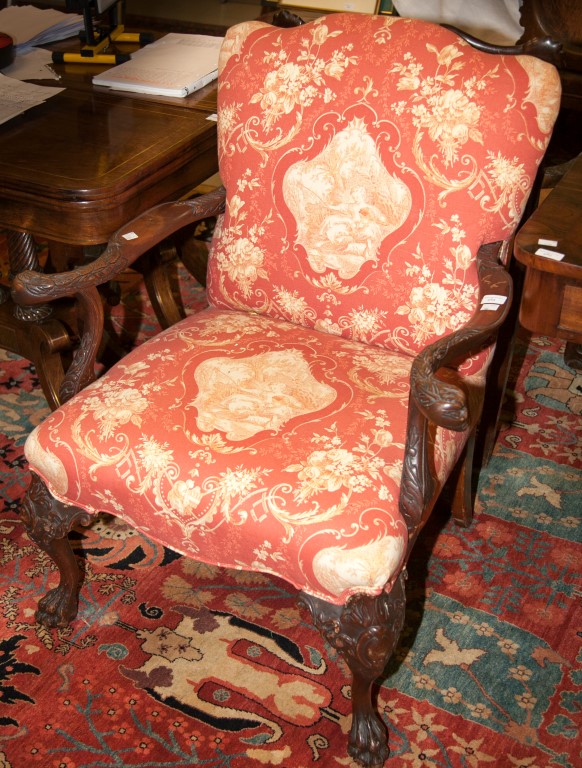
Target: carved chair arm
441	402
144	232
126	245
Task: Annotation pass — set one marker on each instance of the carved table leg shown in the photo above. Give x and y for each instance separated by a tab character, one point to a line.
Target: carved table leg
157	267
365	631
48	522
23	256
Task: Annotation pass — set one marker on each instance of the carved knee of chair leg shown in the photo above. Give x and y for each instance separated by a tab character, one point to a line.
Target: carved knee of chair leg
365	631
48	521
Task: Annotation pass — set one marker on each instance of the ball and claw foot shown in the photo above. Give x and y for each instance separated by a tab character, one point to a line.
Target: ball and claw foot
57	608
367	743
48	522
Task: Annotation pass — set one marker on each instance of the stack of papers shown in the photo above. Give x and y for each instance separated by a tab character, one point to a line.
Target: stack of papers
29	26
17	97
175	65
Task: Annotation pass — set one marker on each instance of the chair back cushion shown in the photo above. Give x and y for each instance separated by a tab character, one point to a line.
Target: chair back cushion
366	159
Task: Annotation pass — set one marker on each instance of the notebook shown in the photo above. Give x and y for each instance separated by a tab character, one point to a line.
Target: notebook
175	65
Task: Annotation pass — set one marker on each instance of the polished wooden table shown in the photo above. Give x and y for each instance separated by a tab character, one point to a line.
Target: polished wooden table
75	169
551	301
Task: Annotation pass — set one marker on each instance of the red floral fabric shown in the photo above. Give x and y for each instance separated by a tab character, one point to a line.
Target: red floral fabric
365	160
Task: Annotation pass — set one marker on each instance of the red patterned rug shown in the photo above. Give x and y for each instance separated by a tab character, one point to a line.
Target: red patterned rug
172	663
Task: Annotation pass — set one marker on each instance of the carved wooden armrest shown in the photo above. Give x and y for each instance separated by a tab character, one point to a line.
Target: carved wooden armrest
441	402
126	245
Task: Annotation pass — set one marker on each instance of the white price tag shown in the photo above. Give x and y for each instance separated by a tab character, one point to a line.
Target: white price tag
130	236
550	243
549	254
493	298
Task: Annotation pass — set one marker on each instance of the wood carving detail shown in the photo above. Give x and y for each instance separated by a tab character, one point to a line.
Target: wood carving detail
365	631
45	517
417	486
150	228
444	403
81	372
48	522
22	251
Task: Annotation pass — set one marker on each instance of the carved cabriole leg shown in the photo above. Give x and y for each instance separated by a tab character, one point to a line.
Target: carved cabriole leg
365	631
48	522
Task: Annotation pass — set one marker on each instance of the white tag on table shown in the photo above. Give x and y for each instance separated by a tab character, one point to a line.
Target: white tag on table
549	254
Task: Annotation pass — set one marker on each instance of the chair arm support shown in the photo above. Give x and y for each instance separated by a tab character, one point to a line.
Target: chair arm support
443	403
126	245
81	371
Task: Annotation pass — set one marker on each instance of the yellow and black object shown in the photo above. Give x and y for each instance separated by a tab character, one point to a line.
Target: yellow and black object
97	37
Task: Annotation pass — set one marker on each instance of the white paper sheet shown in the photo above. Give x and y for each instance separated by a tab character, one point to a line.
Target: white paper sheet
35	64
16	97
29	26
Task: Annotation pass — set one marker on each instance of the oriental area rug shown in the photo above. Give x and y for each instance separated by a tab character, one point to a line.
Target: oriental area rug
172	663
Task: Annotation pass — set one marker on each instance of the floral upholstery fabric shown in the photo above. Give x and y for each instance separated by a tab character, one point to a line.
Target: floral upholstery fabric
245	442
365	160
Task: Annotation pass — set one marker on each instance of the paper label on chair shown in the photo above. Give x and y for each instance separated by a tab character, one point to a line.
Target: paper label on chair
493	298
549	254
551	243
130	236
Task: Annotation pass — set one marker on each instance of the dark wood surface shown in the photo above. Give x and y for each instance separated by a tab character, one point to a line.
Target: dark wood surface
551	301
78	167
75	169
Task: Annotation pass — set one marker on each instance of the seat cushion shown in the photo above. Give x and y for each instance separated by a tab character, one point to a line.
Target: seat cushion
250	443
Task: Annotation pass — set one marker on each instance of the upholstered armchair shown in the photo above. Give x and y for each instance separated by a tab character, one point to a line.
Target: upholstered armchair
305	423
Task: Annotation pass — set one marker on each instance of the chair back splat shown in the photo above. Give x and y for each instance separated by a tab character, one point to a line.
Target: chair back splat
304	424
